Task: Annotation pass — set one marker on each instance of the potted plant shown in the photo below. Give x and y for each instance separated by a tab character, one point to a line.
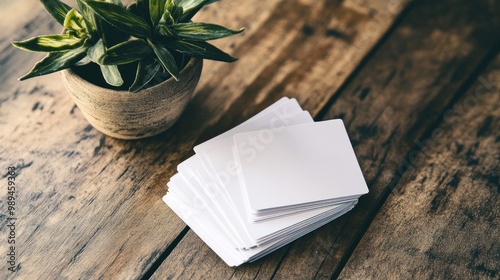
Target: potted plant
130	70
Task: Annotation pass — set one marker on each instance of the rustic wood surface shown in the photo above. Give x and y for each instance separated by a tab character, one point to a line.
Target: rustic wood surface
441	219
89	206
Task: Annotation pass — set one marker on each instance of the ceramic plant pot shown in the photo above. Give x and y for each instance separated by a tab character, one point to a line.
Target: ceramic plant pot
128	115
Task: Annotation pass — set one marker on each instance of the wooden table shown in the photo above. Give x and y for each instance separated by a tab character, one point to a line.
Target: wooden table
416	83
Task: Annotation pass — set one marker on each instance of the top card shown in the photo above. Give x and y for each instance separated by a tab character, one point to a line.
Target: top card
298	165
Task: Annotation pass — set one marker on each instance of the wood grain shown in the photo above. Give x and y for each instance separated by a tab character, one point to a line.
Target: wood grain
394	101
395	98
442	219
91	205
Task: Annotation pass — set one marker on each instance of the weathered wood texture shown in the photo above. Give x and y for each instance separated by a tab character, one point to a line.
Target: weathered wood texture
394	101
90	205
430	62
441	220
396	98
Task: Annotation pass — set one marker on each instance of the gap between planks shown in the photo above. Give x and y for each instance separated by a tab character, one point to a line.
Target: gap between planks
427	135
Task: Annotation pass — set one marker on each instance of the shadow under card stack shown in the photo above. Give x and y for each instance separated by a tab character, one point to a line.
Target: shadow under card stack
266	182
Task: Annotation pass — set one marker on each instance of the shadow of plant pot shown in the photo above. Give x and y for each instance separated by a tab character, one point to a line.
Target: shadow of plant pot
134	115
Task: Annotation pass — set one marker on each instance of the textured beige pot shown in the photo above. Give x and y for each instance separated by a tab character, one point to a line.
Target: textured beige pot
127	115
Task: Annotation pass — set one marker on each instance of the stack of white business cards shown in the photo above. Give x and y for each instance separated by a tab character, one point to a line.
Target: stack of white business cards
267	182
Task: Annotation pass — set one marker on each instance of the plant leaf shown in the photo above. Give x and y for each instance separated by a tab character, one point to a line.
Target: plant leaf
96	51
146	70
191	7
166	59
99	28
56	61
167	18
88	17
50	43
202	31
110	34
116	2
156	8
120	18
143	9
126	52
112	75
165	31
57	9
84	61
169	5
199	49
74	21
174	11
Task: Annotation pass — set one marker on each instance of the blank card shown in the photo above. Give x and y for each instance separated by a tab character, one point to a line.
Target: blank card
266	182
298	166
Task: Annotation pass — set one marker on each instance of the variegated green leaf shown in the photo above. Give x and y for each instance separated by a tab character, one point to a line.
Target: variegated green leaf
88	17
126	52
165	31
146	70
174	11
74	21
156	8
56	61
169	5
166	59
202	31
57	9
166	19
50	43
199	49
177	14
112	75
191	7
121	18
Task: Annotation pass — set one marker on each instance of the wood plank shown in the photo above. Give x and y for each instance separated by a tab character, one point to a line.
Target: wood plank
393	103
393	100
90	205
442	219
